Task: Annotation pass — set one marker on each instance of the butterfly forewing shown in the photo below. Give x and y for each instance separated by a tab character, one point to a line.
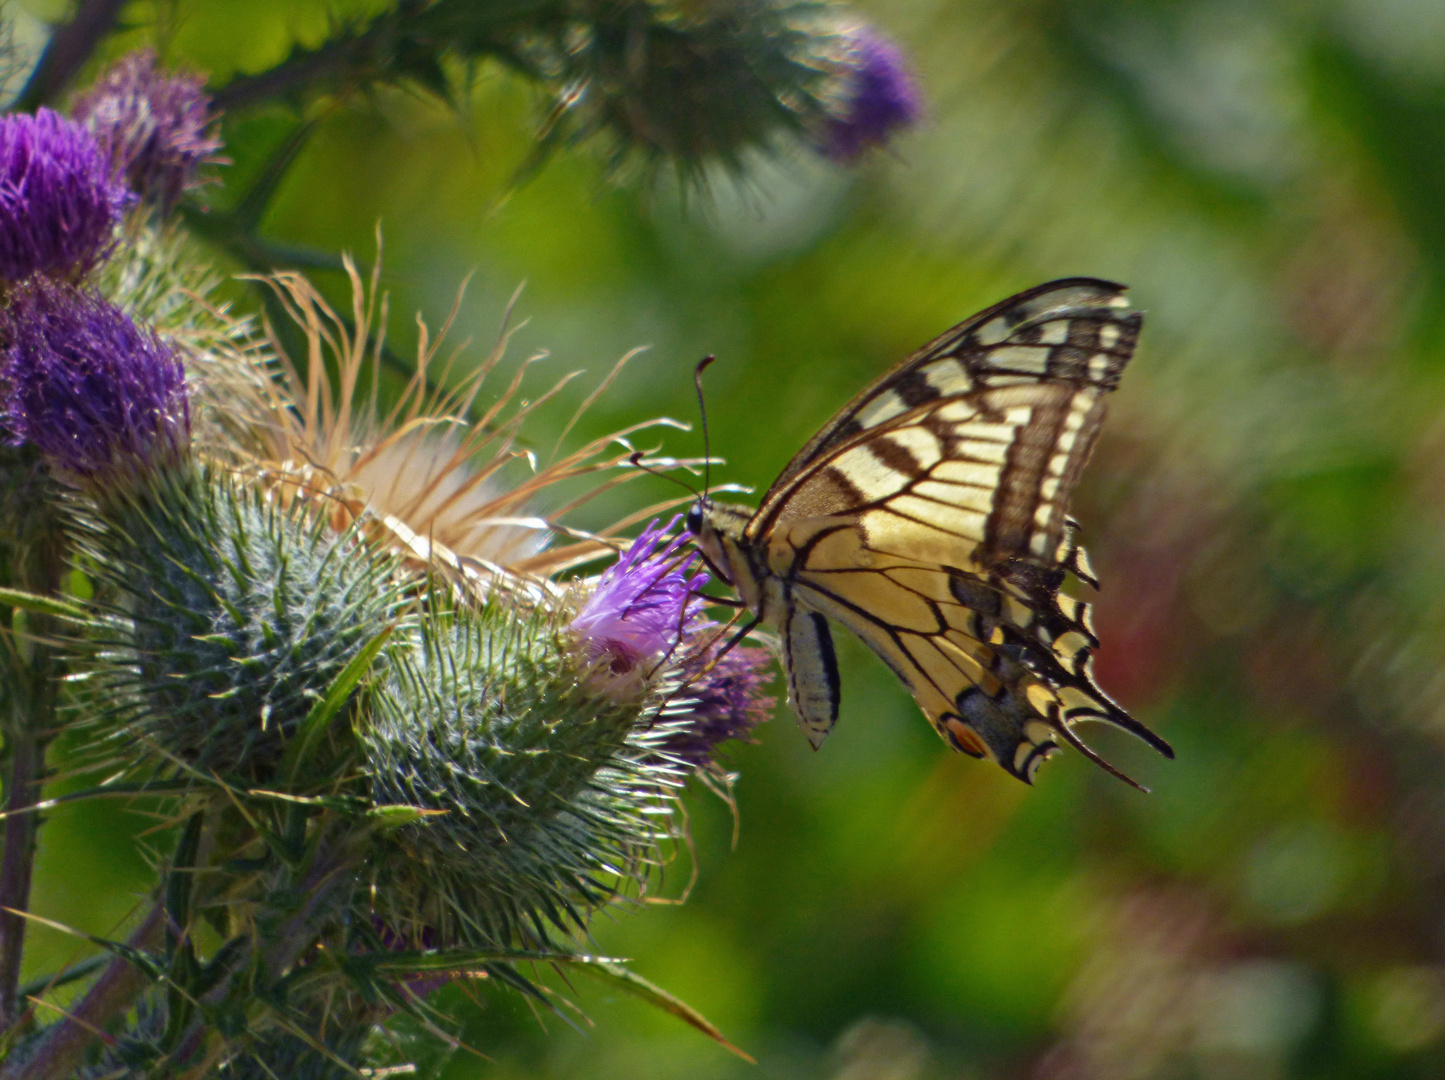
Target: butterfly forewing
1059	327
930	517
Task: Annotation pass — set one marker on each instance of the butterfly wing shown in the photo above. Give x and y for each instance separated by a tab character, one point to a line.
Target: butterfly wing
930	517
1037	322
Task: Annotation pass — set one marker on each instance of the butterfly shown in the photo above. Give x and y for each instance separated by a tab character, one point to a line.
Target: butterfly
931	518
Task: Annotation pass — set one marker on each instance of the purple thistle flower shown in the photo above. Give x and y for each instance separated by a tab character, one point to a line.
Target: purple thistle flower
96	393
644	604
152	125
58	204
650	604
880	95
724	702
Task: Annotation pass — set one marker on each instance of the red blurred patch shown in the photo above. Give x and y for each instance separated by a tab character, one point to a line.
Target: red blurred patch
1138	621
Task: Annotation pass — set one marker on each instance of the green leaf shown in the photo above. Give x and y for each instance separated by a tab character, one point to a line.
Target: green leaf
45	983
45	605
615	975
395	816
461	960
321	715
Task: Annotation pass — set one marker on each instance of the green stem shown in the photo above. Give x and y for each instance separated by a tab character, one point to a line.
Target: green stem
33	557
342	60
22	786
462	27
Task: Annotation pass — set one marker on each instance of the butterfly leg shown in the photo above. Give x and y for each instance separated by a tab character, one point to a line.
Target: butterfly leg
743	632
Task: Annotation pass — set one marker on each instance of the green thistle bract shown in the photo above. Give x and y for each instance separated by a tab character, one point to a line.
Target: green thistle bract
543	800
238	616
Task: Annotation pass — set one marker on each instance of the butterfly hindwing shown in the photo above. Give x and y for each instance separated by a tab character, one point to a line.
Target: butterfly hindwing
930	517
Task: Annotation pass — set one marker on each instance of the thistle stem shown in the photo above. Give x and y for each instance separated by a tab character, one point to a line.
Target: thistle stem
22	789
68	50
114	992
371	54
336	58
34	559
284	945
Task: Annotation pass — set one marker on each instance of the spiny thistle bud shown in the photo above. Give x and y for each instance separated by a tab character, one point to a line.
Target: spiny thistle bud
153	125
238	616
101	397
543	800
877	95
59	205
691	82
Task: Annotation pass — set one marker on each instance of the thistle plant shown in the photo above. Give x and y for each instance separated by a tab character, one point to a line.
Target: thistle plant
399	720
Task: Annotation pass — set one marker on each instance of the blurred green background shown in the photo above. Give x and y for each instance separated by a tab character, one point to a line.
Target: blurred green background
1265	512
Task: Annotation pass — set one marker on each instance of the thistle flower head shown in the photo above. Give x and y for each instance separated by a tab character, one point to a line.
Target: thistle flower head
153	126
644	604
878	95
725	700
440	478
99	395
59	205
540	799
648	609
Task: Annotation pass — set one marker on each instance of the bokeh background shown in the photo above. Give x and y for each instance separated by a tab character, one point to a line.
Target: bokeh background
1265	512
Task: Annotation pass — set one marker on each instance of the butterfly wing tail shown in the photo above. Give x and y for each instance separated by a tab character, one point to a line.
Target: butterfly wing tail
1098	707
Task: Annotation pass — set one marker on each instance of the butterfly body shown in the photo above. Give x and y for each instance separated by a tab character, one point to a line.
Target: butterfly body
930	518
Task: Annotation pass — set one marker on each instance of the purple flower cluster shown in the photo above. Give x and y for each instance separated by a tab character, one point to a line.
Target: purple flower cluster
96	393
58	204
644	604
879	97
725	700
649	606
153	125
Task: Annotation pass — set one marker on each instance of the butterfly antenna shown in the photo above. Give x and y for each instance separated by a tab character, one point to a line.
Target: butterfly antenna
702	409
636	459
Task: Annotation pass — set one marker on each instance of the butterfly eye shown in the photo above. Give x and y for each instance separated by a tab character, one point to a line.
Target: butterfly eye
693	521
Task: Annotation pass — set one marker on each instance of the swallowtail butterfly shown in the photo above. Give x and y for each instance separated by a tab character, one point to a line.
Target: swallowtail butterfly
931	518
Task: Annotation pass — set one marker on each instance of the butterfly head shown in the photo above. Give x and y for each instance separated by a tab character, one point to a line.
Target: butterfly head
718	529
